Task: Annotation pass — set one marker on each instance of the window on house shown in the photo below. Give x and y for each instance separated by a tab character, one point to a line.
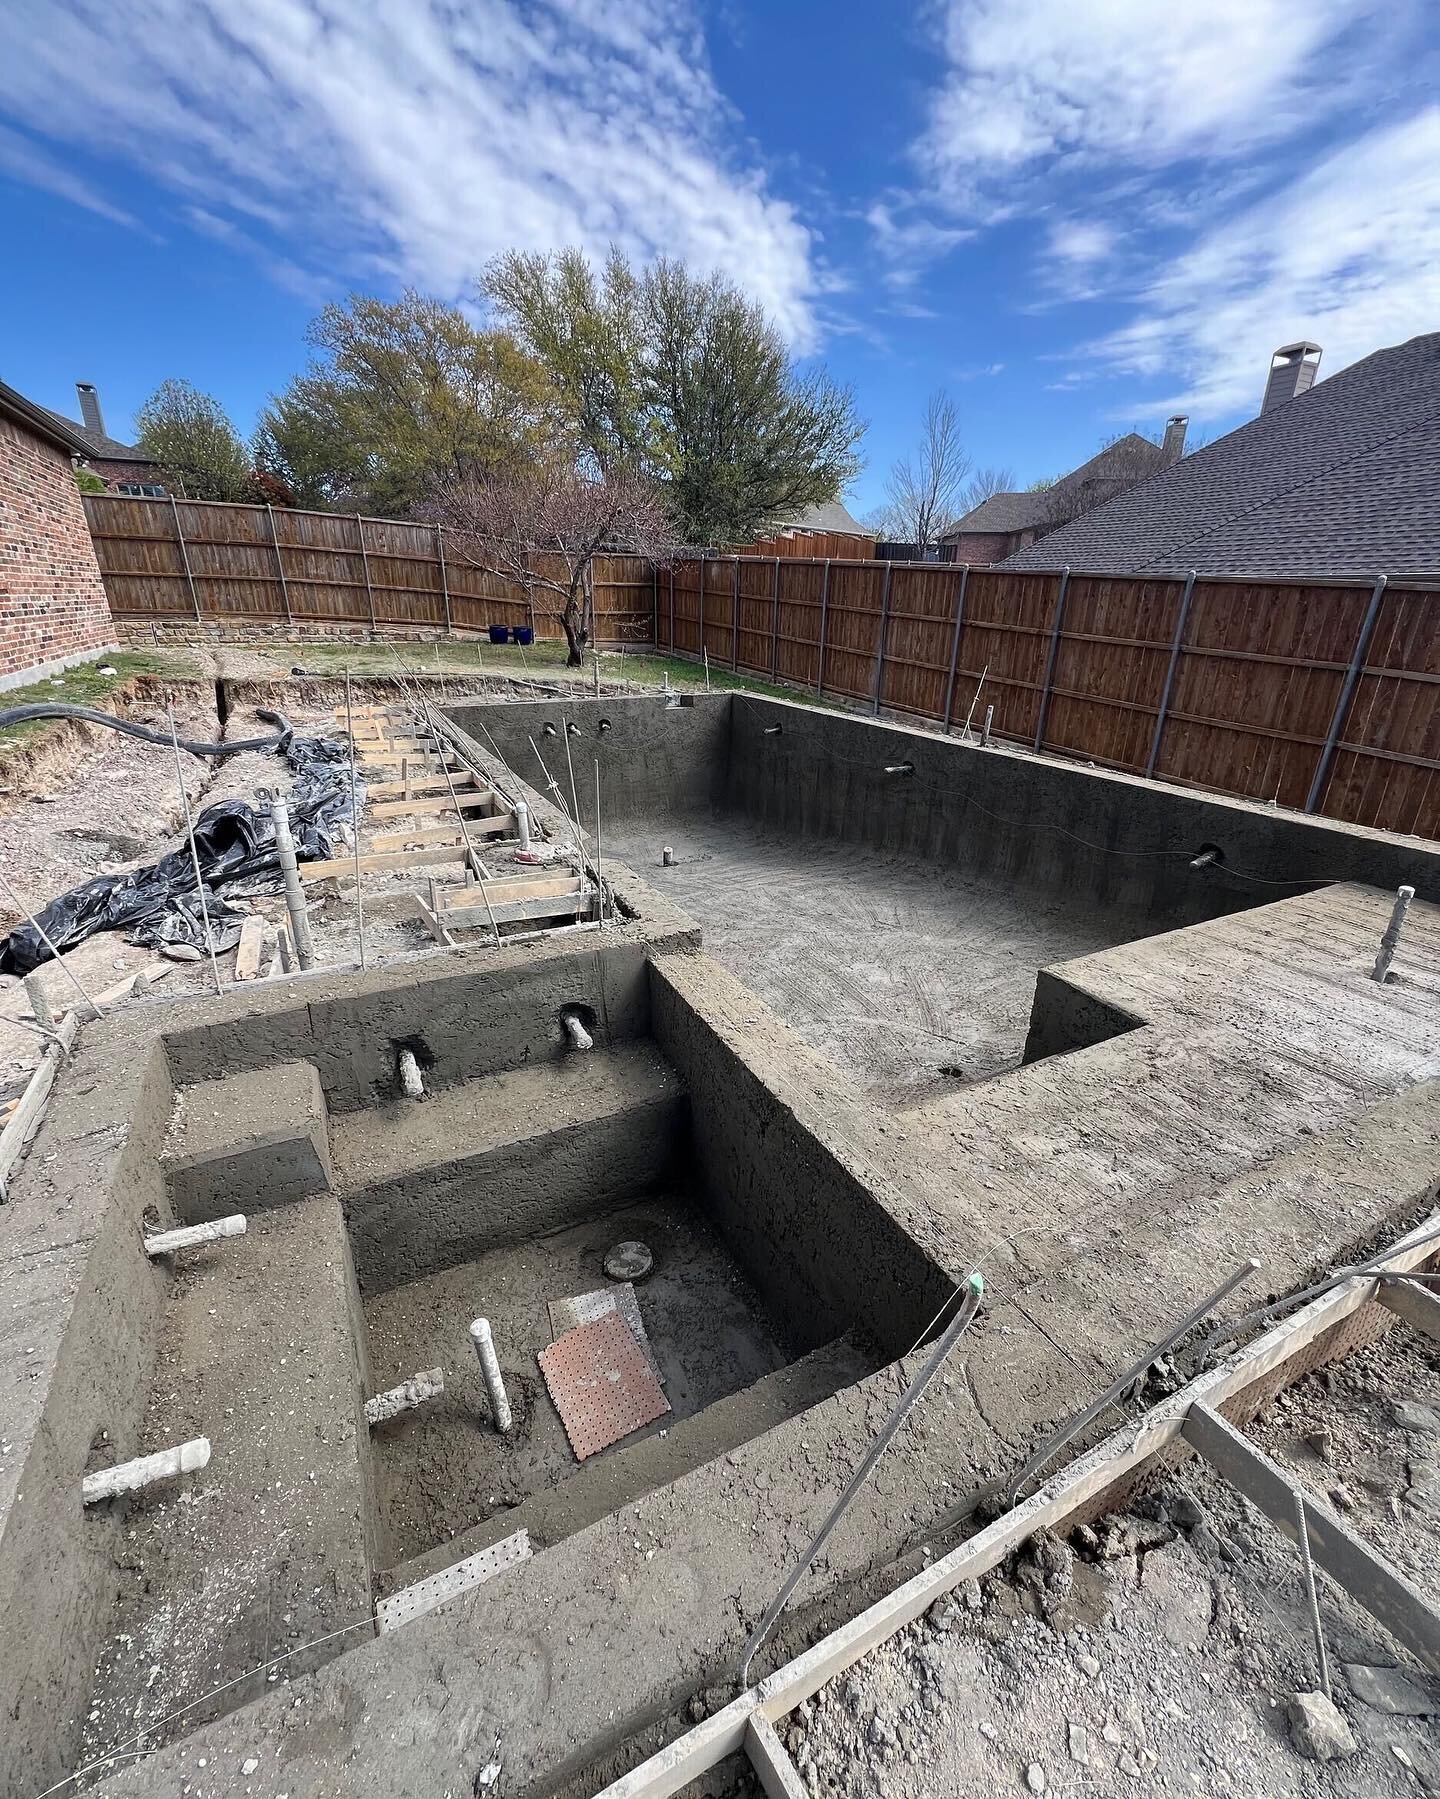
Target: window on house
145	490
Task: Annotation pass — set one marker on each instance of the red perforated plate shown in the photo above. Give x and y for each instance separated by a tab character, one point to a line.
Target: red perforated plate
602	1385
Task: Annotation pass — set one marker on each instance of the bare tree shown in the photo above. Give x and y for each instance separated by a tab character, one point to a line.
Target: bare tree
540	527
925	492
984	484
1122	462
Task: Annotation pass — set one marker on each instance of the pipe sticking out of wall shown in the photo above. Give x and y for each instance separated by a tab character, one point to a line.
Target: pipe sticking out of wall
145	1470
773	730
1390	941
429	1383
490	1367
411	1081
574	1028
167	1242
1206	859
899	768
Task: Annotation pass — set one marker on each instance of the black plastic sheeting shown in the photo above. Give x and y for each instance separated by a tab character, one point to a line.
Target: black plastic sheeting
235	844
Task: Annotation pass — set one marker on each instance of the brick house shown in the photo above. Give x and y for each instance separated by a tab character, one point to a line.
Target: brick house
122	467
52	603
1006	523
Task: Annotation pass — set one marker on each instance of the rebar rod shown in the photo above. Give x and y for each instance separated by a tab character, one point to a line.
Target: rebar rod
194	853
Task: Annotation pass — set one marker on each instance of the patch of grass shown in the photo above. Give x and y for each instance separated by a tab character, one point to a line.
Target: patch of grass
543	660
84	685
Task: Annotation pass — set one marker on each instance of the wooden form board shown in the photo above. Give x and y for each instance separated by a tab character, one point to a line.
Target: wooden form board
423	784
371	863
1093	1473
504	887
475	802
500	825
250	948
511	911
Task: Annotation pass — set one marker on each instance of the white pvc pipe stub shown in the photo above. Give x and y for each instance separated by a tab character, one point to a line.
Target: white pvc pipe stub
191	1234
145	1470
490	1368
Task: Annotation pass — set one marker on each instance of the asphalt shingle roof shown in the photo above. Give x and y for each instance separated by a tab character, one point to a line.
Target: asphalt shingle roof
98	443
1343	480
830	515
1009	511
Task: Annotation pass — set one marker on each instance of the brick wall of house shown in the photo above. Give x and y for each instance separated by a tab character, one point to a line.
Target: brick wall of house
52	602
981	548
113	471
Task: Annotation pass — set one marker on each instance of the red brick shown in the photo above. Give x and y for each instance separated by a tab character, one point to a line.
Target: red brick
52	601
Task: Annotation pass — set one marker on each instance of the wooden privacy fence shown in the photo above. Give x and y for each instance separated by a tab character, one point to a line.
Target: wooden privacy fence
1317	694
173	561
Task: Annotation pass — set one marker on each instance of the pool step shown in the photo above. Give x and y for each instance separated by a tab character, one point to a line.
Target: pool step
602	1486
247	1142
427	1184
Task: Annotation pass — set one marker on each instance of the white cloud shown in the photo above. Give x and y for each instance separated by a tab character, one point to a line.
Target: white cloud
1081	240
910	244
1125	82
26	161
415	141
1347	254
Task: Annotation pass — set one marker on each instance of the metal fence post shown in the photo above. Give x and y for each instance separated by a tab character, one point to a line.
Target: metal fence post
1176	644
444	578
824	614
735	615
1347	693
1048	685
955	644
279	564
703	648
672	607
880	646
185	555
655	604
775	622
365	564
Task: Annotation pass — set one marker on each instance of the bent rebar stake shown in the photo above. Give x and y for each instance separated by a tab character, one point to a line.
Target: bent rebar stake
974	1291
1068	1432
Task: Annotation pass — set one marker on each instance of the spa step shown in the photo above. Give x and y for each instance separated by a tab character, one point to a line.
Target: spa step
430	1183
247	1142
600	1487
270	1546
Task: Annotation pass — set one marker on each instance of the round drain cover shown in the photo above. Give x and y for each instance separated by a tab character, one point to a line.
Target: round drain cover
629	1262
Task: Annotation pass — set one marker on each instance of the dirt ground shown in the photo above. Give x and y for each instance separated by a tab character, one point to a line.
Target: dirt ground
441	1467
1159	1653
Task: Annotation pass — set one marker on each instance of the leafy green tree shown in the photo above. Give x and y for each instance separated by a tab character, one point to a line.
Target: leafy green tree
404	394
679	378
88	481
190	435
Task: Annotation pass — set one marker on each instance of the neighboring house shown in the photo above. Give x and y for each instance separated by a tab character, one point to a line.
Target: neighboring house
122	467
1007	522
825	530
1341	477
52	602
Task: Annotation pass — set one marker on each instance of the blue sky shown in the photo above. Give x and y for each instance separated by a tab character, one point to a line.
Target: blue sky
1076	215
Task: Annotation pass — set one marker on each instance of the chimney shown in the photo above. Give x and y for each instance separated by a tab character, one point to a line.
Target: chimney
1292	372
90	408
1173	447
